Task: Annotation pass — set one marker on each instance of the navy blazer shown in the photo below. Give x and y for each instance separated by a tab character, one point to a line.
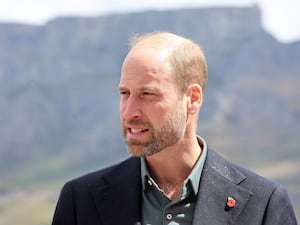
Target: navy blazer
112	196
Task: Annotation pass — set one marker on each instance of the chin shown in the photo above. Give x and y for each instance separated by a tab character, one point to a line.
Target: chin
140	151
136	151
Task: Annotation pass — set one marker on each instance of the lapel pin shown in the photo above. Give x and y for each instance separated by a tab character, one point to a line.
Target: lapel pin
230	202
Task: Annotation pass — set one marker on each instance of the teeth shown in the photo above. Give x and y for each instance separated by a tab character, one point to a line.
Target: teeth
136	131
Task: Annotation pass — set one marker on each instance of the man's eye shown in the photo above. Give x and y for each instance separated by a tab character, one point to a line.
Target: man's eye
148	93
124	92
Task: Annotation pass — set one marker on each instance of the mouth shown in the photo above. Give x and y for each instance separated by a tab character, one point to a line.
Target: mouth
137	131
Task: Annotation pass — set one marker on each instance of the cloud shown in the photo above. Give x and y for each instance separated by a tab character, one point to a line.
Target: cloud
282	18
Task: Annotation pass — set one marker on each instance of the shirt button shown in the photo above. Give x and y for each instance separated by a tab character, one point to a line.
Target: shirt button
150	182
169	216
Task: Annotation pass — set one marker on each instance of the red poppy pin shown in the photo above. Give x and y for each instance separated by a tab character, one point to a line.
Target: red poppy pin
230	202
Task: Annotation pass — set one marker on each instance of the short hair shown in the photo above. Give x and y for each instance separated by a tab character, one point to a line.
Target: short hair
186	58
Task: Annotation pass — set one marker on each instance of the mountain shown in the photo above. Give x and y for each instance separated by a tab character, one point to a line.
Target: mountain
59	100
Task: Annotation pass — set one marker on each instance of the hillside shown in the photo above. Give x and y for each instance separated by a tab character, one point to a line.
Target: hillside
59	101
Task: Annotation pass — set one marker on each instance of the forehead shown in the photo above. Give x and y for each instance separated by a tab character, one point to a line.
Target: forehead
146	67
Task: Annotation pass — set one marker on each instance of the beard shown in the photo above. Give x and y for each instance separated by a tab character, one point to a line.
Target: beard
160	137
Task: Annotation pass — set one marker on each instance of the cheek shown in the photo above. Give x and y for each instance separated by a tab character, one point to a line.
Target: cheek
122	105
121	111
157	111
120	108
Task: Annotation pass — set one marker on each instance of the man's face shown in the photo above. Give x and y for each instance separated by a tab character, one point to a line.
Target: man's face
152	114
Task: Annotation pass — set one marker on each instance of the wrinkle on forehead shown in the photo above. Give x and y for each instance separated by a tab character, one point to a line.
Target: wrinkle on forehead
144	74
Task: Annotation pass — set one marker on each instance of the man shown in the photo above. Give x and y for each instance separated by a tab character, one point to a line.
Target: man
173	177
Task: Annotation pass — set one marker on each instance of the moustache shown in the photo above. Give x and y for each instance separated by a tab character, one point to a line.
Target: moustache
135	123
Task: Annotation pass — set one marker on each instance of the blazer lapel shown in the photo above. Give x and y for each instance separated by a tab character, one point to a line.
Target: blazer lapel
118	201
219	181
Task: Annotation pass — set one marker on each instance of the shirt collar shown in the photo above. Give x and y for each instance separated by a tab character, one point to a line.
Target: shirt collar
193	178
144	173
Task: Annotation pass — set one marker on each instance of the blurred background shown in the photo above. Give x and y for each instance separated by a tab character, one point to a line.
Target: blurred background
59	70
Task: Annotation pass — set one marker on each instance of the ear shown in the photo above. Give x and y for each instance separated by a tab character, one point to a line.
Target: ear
195	98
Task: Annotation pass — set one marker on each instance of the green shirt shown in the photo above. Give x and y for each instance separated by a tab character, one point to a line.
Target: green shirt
158	209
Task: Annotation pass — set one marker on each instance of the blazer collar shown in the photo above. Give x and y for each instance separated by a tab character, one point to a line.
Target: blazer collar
219	180
118	196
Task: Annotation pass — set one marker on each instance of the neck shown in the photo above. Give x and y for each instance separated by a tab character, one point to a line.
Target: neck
171	166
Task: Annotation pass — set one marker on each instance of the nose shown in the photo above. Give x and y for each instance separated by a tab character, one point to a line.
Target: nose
130	108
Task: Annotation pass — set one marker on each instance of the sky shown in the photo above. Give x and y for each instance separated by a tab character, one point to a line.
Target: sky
281	18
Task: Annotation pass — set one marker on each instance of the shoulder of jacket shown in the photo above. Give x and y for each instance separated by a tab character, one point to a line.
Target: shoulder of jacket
92	178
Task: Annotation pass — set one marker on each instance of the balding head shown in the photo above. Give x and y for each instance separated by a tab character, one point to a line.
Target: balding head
185	57
157	39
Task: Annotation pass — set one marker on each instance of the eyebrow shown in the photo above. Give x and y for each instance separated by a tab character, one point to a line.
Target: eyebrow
144	87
